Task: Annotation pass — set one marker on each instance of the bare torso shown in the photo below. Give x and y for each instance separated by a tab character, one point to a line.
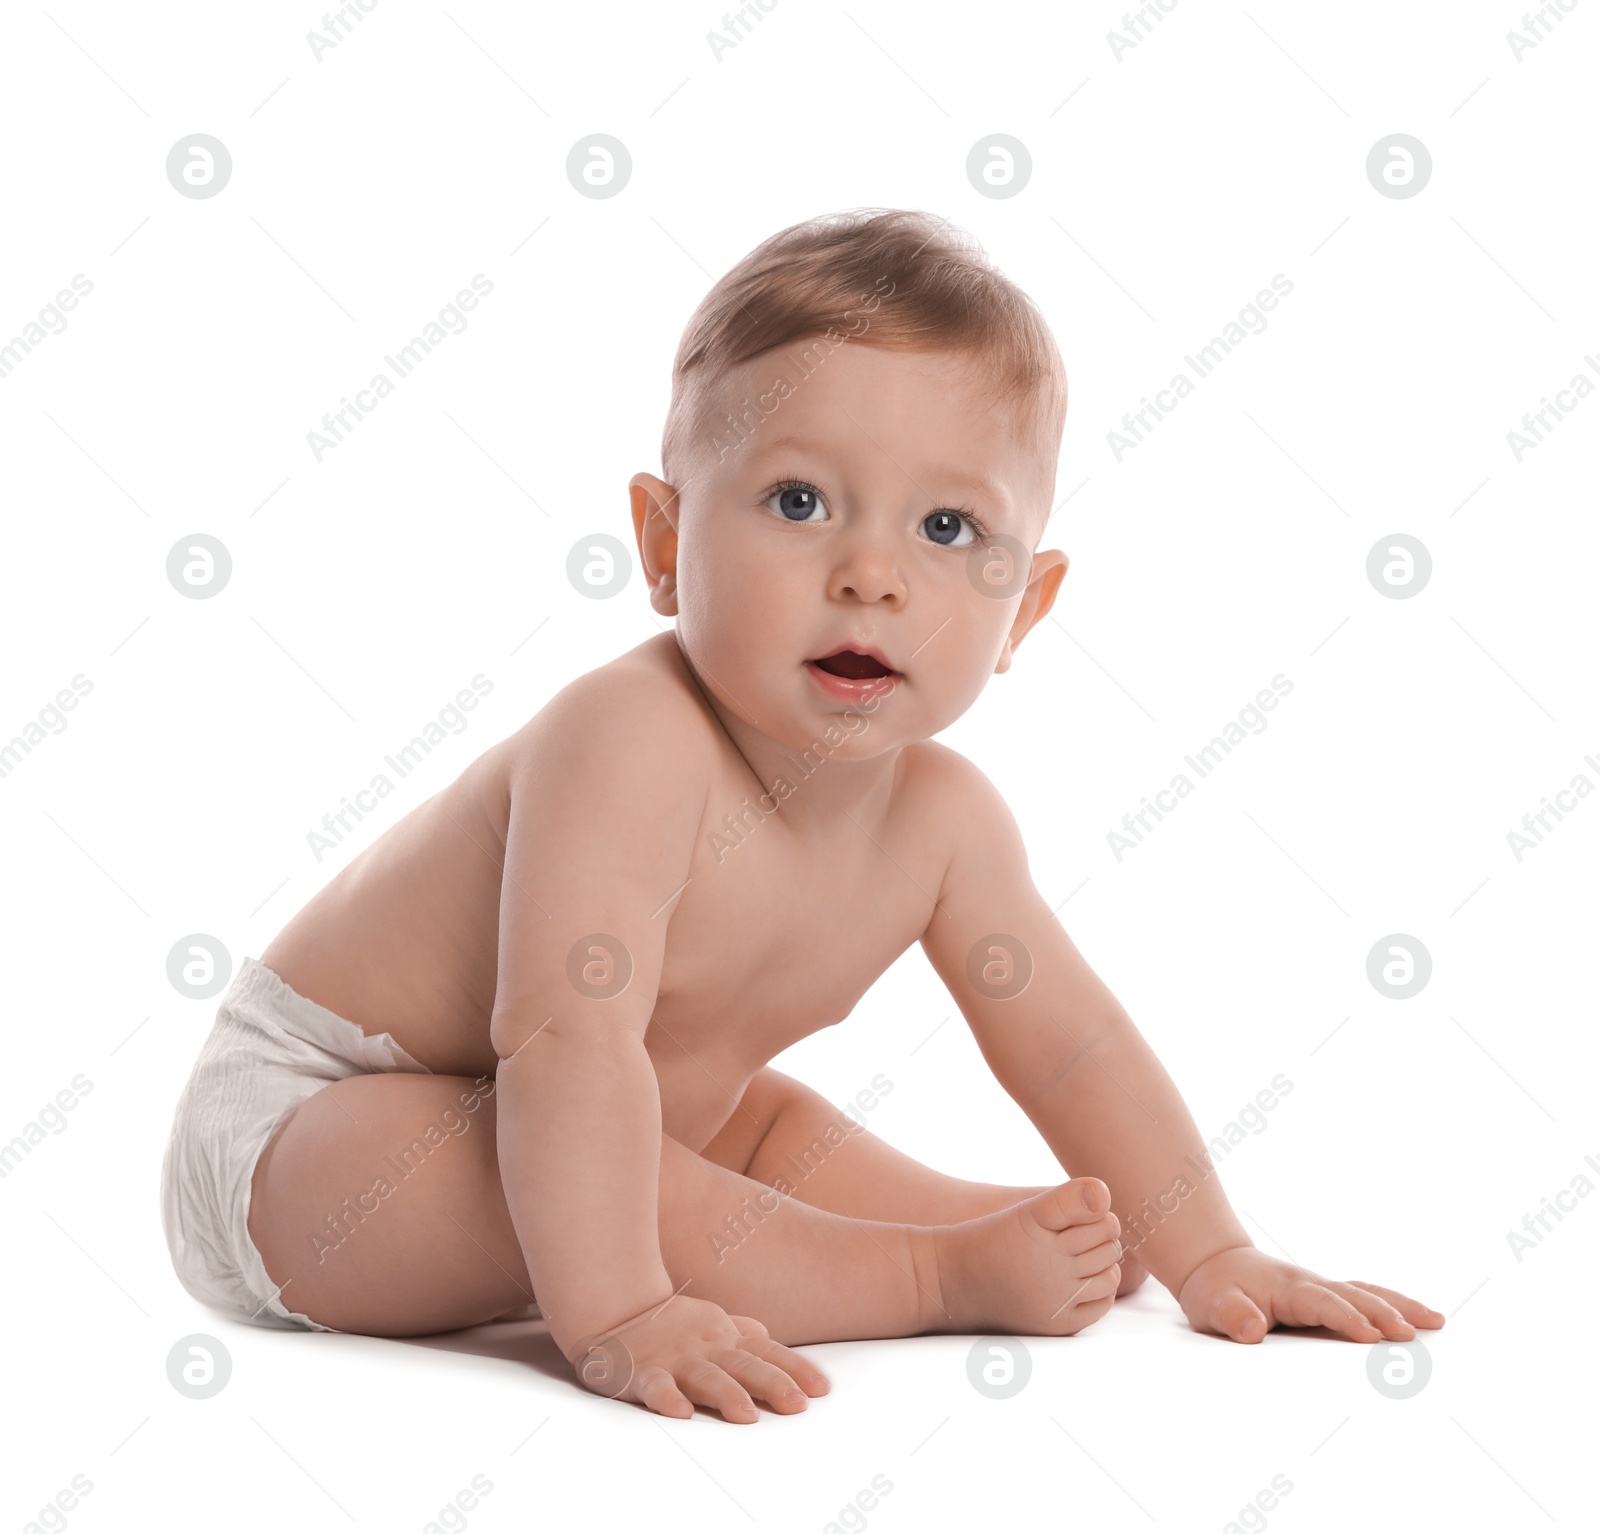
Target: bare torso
784	941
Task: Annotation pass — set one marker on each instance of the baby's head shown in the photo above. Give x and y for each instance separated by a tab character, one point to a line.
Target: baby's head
859	455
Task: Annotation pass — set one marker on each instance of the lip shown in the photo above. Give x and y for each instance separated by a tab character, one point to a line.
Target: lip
871	651
854	690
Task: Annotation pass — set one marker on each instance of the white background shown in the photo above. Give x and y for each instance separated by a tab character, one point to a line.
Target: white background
1168	187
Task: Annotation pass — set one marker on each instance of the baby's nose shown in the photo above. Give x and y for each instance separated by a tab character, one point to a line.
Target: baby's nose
869	574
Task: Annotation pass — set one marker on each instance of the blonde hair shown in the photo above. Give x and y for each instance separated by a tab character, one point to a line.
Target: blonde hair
942	293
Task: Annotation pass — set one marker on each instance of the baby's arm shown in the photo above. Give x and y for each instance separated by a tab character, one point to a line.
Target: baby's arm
1069	1055
603	814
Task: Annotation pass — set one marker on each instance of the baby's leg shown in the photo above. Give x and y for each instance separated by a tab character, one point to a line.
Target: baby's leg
783	1139
439	1251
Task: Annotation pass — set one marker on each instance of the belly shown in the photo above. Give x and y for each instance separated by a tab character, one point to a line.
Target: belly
698	1095
708	1042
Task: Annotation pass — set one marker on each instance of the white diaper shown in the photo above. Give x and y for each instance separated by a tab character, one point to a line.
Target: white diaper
268	1051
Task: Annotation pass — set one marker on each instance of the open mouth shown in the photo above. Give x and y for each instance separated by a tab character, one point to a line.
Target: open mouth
854	676
853	666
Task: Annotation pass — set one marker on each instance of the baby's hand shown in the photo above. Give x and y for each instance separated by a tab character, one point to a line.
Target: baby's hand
1242	1293
688	1352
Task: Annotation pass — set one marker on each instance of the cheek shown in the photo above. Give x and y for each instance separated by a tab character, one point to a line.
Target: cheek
955	677
738	608
984	619
978	669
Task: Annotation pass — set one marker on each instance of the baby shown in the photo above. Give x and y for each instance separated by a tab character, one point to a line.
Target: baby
513	1059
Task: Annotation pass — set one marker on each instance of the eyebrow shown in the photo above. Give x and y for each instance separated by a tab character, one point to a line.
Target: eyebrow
946	476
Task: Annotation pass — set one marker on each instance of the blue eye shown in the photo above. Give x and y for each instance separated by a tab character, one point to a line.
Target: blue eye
945	528
797	502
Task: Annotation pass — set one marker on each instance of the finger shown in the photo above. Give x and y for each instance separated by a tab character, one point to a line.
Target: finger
1236	1316
1313	1304
764	1381
604	1364
1097	1258
708	1384
797	1366
656	1389
748	1326
1079	1238
1414	1311
1378	1311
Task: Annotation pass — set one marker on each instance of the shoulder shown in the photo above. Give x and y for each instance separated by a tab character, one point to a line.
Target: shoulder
646	693
951	796
984	882
937	778
634	721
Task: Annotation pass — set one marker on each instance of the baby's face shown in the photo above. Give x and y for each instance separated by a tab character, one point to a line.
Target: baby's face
880	505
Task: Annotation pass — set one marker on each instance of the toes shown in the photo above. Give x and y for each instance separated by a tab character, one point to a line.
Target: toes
1095	1292
1072	1203
1086	1315
1080	1238
1134	1273
1098	1258
1096	1195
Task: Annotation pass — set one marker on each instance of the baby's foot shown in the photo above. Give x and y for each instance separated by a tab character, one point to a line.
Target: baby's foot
1045	1267
1134	1273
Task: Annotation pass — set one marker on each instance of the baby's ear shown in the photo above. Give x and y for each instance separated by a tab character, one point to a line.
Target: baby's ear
1049	568
655	531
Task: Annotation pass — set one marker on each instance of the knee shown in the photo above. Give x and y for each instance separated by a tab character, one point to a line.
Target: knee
733	1147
